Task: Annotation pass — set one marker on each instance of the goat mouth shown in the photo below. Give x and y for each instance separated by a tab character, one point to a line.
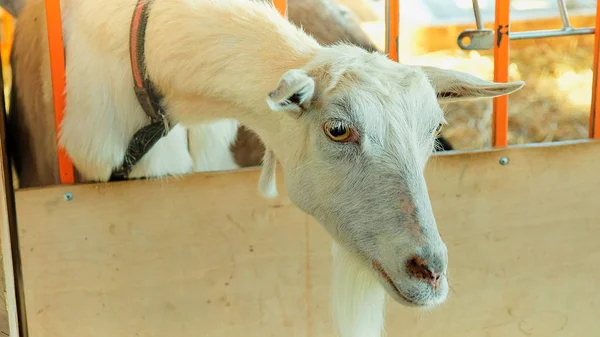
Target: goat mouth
378	268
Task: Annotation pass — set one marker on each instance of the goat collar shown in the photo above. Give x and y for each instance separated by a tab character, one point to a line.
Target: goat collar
160	125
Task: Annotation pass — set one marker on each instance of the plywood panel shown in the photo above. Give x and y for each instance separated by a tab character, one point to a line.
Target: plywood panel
206	256
10	277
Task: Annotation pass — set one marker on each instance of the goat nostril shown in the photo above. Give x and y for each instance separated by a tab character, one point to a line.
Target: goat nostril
417	267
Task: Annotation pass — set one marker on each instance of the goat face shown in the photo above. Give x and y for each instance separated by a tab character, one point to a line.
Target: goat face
353	152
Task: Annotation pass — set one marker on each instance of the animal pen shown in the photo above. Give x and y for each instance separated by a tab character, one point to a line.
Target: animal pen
113	259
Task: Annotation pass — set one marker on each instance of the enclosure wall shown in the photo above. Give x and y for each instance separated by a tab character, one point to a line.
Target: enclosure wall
206	256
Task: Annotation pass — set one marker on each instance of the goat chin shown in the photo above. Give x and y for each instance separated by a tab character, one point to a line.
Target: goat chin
358	299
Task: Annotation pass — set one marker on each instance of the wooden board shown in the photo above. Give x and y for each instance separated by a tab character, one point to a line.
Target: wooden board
206	256
10	277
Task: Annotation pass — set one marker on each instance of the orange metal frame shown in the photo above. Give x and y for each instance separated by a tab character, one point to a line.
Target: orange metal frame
281	6
595	108
392	31
57	66
501	62
7	35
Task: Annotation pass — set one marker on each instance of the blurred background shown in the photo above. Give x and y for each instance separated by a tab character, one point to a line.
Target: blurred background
554	104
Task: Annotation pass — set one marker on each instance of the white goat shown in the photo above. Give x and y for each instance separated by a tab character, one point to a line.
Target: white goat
351	129
212	145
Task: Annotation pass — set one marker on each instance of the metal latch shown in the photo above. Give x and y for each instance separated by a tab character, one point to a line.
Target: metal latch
480	38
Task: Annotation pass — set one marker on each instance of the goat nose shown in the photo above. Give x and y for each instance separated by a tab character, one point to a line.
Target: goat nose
418	267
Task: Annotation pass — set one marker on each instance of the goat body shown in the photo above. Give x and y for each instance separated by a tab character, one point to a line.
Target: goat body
102	112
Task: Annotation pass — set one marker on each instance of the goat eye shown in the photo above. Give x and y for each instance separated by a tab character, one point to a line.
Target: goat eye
438	129
337	131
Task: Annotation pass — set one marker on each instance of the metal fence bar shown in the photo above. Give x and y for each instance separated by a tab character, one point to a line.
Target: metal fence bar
595	106
501	57
566	30
480	38
501	61
564	14
477	13
392	28
57	68
539	34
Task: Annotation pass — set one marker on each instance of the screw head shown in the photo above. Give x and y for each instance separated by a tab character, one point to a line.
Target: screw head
68	196
503	161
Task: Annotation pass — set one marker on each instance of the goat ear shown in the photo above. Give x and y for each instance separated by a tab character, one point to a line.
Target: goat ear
267	182
452	85
294	92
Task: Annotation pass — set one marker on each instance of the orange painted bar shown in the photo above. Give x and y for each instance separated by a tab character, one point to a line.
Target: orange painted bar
595	107
7	35
281	6
501	60
392	28
57	67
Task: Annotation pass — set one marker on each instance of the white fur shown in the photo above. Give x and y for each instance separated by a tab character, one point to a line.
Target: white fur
267	183
357	297
168	155
210	145
223	61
